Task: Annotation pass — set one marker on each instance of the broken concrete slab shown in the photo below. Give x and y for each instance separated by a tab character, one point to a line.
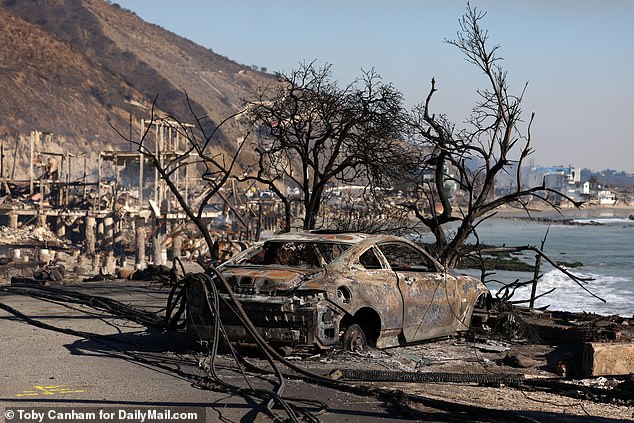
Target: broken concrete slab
608	359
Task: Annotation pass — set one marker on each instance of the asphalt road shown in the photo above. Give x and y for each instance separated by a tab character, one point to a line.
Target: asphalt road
135	367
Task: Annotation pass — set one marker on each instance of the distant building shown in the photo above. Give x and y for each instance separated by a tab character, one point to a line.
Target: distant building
565	179
428	175
606	198
586	188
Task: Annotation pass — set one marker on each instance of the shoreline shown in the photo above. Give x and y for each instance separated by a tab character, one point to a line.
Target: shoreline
617	211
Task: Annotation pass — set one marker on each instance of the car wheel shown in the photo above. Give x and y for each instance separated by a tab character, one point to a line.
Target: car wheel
354	339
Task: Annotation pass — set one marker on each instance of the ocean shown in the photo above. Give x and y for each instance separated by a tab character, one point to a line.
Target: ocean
604	243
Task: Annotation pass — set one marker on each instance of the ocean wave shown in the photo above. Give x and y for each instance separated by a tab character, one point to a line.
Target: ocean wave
617	291
556	277
603	221
605	251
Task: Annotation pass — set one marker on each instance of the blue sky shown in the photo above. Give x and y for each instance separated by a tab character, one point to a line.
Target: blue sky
577	57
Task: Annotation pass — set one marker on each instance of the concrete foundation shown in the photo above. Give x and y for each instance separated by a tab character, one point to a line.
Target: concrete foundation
608	359
140	233
89	236
13	220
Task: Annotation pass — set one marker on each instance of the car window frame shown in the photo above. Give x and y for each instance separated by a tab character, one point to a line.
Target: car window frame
435	266
241	259
377	253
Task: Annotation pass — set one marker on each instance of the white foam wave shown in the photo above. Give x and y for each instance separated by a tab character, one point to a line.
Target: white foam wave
570	296
604	221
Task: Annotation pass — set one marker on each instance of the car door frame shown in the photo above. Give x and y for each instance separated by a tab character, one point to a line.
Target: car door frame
428	300
383	295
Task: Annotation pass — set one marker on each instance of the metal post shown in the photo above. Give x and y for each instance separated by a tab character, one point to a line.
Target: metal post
31	163
85	174
15	155
115	189
141	166
187	184
161	162
67	178
156	175
99	183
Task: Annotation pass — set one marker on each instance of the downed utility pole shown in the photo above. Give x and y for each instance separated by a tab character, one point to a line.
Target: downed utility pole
396	376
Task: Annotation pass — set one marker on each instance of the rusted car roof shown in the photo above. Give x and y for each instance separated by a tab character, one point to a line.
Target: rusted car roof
346	237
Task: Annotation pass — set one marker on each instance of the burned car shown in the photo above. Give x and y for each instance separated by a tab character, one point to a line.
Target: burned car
351	289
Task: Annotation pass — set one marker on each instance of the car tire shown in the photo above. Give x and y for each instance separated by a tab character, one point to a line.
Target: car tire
354	339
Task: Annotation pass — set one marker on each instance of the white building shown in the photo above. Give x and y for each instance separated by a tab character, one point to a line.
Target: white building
606	198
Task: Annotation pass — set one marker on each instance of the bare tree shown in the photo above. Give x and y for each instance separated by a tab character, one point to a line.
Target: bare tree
315	133
492	143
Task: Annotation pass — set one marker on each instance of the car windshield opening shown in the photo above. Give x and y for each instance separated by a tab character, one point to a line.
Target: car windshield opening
295	253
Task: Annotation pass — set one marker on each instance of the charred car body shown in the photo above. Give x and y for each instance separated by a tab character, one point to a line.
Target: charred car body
303	289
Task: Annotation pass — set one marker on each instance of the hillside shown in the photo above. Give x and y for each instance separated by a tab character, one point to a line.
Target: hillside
69	67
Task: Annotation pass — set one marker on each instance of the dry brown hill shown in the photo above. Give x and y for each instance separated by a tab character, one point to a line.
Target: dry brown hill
69	67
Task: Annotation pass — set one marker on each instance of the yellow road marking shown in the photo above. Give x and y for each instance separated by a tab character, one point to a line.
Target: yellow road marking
48	390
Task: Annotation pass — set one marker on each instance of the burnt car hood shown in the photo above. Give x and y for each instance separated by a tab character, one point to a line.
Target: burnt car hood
267	279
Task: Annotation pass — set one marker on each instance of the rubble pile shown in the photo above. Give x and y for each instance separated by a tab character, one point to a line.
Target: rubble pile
27	233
